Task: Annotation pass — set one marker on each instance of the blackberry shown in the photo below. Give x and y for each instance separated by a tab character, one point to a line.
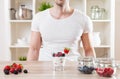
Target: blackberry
6	72
15	72
53	54
63	55
25	71
20	70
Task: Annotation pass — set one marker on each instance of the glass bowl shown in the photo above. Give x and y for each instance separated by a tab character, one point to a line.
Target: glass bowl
105	67
86	65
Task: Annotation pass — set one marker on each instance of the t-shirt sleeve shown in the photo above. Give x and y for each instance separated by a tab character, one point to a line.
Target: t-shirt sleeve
88	26
35	23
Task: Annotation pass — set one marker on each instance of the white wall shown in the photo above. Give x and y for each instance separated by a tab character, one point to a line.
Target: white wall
4	55
117	29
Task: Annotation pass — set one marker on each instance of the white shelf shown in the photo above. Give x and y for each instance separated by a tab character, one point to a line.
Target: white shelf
19	46
101	46
20	20
101	20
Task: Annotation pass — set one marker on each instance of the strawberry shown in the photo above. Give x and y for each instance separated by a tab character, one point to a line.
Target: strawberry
66	50
7	67
18	67
12	70
14	65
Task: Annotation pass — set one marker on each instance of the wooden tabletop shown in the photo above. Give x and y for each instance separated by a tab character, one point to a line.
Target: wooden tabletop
44	70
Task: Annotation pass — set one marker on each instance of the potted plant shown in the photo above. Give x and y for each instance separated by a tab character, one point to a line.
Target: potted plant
44	6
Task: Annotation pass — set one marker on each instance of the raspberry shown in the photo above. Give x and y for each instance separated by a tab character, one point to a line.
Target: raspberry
12	70
7	67
106	72
14	65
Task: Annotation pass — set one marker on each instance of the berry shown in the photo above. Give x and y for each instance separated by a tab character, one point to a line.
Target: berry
105	72
63	55
86	69
7	67
25	71
59	54
19	67
12	70
19	70
55	55
15	72
6	72
14	65
66	50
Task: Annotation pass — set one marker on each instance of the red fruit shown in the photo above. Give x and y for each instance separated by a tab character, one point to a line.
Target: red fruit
55	55
7	67
14	65
106	72
20	65
110	71
12	70
100	71
18	68
59	54
66	50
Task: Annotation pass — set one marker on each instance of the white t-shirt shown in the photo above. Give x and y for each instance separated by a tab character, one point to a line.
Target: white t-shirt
60	33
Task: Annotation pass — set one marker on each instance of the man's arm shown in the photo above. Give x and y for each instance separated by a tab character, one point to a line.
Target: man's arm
35	45
89	50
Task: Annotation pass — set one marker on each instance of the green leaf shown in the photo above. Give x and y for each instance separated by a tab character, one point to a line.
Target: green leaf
44	6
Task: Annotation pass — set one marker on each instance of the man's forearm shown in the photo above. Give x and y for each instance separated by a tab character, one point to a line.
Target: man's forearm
90	53
33	54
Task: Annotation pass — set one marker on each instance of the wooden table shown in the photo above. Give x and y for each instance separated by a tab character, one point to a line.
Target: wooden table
44	70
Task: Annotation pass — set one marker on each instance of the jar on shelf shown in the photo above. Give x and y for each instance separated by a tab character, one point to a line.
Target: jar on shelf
12	13
19	13
103	14
95	11
23	13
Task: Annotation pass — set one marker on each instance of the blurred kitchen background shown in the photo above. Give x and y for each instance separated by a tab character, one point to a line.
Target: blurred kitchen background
15	30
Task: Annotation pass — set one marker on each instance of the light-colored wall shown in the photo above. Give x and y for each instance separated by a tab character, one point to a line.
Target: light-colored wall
117	29
4	55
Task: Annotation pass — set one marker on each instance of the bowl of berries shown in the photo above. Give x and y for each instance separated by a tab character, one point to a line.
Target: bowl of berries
86	65
105	67
59	59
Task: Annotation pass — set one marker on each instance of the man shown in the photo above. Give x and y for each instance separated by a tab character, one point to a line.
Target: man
59	27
